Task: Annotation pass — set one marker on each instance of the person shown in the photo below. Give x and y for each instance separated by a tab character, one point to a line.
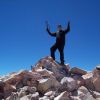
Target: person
60	41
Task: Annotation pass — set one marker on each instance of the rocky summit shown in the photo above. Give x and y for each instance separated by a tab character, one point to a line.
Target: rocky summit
48	80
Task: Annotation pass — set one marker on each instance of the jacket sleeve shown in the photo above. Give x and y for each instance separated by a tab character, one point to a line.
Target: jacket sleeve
68	28
52	34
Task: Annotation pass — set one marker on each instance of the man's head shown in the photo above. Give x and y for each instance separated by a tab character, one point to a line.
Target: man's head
59	27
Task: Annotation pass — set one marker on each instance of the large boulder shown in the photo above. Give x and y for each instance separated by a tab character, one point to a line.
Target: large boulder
45	84
88	80
48	63
78	71
96	79
45	73
92	80
79	79
69	84
23	78
85	94
26	90
8	89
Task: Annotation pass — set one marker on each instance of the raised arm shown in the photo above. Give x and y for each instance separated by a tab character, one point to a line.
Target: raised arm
52	34
68	28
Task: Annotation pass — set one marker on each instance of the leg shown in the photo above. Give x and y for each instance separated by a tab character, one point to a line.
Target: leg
53	49
61	50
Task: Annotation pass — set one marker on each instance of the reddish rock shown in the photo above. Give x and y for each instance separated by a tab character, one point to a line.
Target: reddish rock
79	71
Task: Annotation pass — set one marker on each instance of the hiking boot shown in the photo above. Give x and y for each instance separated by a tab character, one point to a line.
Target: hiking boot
62	63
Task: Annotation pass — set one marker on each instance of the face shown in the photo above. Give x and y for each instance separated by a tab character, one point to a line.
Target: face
59	27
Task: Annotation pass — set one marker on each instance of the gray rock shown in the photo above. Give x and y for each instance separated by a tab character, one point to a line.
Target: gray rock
25	98
63	96
69	84
13	96
50	93
45	84
87	96
44	98
83	89
35	96
96	94
26	90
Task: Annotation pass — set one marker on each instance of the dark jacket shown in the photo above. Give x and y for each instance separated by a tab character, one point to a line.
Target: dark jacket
60	35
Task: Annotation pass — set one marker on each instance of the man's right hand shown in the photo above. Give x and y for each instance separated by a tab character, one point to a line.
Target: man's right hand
68	25
48	28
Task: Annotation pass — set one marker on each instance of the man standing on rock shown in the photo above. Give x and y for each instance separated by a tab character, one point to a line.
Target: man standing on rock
60	41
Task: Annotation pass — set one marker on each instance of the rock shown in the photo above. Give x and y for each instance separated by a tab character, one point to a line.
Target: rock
88	75
26	90
84	94
63	96
25	98
88	80
75	98
92	80
46	84
29	89
87	96
96	80
96	94
98	99
32	90
49	80
98	67
24	77
79	79
35	96
44	98
69	84
2	84
96	73
67	67
8	89
13	96
19	85
96	84
50	93
45	73
83	89
79	71
48	63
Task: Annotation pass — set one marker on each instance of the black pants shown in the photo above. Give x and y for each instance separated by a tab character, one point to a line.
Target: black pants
60	47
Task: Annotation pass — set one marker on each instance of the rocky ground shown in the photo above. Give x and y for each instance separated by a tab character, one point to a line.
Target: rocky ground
49	80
